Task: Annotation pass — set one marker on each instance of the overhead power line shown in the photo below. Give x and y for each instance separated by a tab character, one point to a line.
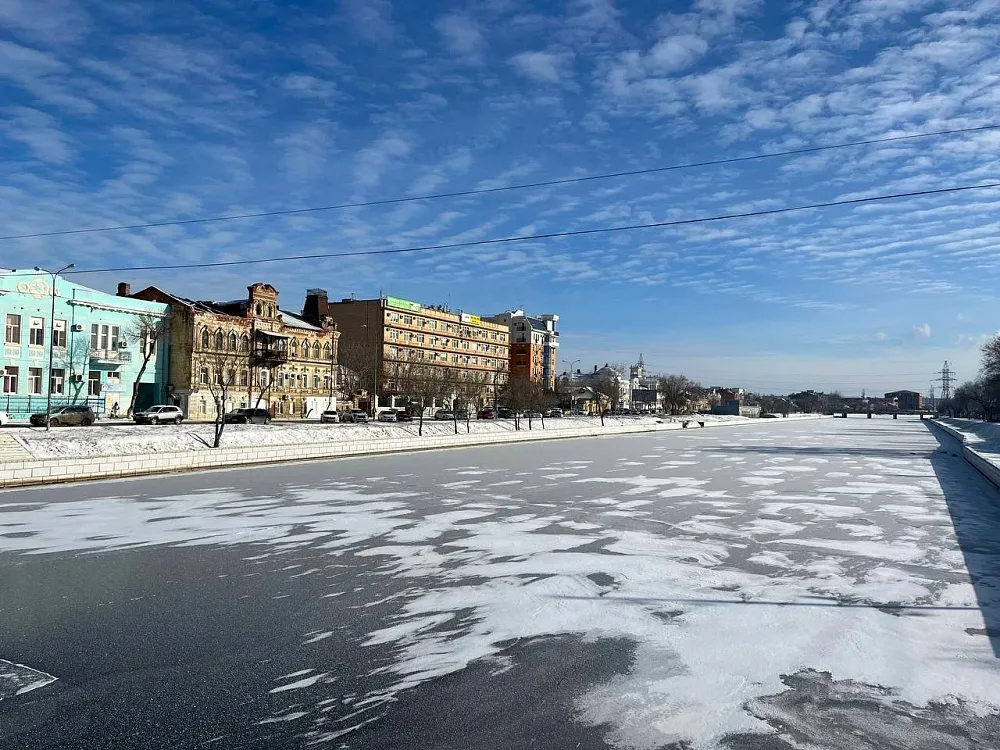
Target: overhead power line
545	236
506	188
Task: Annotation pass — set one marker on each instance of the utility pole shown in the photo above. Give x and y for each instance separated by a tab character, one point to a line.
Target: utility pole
52	331
946	380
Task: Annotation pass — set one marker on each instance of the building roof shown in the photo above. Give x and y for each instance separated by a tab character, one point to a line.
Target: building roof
294	321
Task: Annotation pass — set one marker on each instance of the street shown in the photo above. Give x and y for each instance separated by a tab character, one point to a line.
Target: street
831	583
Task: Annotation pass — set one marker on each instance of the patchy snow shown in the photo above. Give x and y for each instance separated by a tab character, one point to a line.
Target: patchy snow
17	679
759	584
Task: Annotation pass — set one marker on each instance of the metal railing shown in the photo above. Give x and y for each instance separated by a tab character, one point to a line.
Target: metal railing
22	407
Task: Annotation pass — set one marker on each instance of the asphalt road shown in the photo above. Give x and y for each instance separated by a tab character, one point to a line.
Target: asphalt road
830	584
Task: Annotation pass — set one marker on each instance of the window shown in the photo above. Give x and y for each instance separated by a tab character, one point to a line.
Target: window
104	336
59	333
245	343
13	332
244	377
316	350
115	333
58	382
264	379
258	309
232	342
328	351
217	372
148	343
36	333
34	380
220	340
326	382
203	376
204	338
295	348
94	382
315	381
10	373
232	377
270	311
408	320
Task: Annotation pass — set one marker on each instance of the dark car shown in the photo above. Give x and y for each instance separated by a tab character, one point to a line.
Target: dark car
505	413
65	415
462	414
248	416
404	416
486	414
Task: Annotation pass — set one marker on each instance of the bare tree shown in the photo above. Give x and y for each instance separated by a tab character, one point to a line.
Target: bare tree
991	357
147	330
357	367
608	392
224	363
677	392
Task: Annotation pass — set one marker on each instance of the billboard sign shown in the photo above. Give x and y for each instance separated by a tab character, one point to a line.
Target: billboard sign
403	304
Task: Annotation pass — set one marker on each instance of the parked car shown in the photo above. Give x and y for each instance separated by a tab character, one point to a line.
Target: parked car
403	416
329	416
486	414
66	415
248	416
533	415
462	414
387	416
4	418
554	413
504	413
161	414
354	415
443	414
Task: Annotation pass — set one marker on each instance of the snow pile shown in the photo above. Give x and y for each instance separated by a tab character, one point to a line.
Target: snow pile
127	440
983	436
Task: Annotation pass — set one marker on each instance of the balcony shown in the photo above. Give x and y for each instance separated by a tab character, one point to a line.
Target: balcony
269	356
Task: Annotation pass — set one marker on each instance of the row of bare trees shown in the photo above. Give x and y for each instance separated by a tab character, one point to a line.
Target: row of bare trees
979	398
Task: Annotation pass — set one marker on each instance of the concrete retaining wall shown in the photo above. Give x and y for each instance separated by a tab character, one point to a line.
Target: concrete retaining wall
979	462
50	471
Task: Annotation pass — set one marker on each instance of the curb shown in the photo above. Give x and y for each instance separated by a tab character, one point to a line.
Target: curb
989	470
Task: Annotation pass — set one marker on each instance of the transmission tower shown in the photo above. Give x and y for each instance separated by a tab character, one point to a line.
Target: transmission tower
946	379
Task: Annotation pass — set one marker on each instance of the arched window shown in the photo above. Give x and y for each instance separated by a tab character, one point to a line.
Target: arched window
327	352
295	348
315	350
204	338
245	344
232	342
270	311
220	340
258	309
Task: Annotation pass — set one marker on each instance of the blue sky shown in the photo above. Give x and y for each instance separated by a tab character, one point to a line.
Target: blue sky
119	112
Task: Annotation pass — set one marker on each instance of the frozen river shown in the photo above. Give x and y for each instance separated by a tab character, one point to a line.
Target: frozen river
831	584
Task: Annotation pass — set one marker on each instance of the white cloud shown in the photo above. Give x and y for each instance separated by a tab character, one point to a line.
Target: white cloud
369	19
305	151
547	67
922	330
961	317
373	160
38	131
677	52
881	336
462	36
307	86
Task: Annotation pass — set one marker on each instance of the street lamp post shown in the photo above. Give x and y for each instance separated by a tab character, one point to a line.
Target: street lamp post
572	364
52	331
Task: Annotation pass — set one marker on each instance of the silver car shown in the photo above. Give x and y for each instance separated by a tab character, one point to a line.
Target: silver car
161	414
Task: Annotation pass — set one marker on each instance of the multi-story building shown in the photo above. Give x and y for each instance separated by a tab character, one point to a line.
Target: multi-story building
99	345
906	400
398	345
534	346
268	357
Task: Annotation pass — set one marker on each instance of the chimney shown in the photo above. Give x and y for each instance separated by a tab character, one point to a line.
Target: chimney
124	289
317	306
595	368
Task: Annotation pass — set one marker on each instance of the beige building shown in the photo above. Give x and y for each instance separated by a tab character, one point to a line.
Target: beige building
266	356
401	348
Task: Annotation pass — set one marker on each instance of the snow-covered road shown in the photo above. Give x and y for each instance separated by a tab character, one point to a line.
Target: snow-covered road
782	586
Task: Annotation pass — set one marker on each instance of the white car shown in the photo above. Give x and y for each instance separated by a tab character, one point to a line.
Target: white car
387	416
4	418
159	414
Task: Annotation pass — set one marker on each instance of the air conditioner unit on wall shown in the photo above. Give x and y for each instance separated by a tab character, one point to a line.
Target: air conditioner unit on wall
77	328
77	378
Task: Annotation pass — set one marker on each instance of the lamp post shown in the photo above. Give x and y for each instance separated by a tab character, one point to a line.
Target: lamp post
52	330
572	364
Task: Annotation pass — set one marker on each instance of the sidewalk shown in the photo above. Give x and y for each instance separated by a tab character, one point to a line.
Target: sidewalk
980	443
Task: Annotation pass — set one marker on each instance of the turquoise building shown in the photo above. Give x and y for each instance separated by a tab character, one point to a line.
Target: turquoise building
98	343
